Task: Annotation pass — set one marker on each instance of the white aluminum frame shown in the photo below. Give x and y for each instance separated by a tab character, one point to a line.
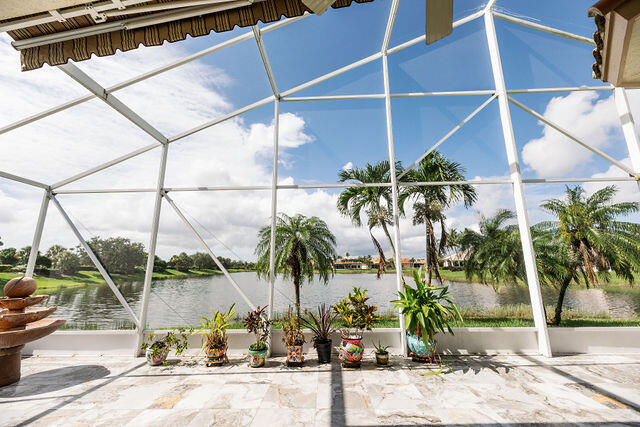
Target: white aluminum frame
500	92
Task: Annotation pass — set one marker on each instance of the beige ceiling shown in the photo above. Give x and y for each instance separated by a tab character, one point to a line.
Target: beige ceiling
15	8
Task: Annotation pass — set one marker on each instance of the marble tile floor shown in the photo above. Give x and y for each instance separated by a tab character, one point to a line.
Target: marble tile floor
471	390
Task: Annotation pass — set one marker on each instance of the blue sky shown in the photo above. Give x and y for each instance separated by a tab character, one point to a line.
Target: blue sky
318	138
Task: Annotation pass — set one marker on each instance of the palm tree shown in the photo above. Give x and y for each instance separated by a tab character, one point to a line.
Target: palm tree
302	245
593	238
495	253
377	202
436	167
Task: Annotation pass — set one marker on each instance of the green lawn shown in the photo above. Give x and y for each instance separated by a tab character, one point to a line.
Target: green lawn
92	277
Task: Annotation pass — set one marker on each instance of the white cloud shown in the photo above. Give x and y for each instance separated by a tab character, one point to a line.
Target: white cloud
582	113
348	166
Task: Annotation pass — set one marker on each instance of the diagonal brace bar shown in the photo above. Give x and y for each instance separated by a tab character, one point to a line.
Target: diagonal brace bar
573	137
265	60
92	86
451	132
27	181
209	251
96	262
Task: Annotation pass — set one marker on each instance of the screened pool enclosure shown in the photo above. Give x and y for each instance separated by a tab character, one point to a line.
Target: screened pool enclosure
360	76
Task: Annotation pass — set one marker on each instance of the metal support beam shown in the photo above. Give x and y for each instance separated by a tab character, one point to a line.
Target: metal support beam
96	262
106	165
37	236
628	128
537	305
153	240
451	132
27	181
394	180
265	60
210	252
544	28
92	86
573	137
274	213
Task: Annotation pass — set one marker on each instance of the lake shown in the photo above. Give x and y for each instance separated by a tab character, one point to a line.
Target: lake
179	302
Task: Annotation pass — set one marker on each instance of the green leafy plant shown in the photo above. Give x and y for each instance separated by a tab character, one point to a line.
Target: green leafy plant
379	348
356	313
214	329
427	309
321	325
157	346
291	329
259	326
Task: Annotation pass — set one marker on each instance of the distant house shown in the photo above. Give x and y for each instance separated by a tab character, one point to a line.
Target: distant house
455	260
419	263
350	264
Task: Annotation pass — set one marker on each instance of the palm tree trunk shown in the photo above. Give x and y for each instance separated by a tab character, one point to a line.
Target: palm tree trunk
433	256
443	236
296	284
563	289
427	258
382	263
588	265
386	233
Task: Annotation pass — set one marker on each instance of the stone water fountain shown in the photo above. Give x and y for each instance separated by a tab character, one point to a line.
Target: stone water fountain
20	324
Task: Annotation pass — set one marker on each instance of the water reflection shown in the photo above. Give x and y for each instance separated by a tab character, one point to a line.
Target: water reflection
182	301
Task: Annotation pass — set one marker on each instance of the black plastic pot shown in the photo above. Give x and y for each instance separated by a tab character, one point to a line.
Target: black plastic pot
324	351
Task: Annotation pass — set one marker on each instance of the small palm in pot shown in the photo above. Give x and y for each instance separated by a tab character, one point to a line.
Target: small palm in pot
322	328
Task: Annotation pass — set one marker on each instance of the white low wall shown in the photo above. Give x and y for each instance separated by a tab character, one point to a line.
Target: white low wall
465	341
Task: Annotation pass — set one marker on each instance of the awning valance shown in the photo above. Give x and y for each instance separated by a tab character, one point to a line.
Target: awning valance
78	38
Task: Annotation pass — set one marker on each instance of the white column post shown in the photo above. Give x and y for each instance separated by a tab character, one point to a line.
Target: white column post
274	212
35	245
394	196
628	128
153	240
537	305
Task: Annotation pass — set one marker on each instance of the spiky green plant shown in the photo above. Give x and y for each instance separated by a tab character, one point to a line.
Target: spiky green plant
427	309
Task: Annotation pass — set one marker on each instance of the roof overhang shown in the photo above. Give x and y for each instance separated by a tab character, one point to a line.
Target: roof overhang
54	32
617	38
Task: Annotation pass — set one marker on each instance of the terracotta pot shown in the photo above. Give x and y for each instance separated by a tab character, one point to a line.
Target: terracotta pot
158	359
324	351
216	355
382	358
351	350
294	355
257	358
418	351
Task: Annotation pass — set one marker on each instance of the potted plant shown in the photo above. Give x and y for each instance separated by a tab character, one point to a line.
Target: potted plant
293	339
322	327
255	323
382	355
427	310
214	336
357	315
156	350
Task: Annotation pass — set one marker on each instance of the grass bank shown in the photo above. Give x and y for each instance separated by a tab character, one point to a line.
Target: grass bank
92	277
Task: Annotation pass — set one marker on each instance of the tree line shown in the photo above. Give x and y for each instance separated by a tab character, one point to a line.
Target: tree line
118	255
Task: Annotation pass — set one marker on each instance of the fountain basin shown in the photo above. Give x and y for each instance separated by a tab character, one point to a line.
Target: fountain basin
21	303
24	334
14	319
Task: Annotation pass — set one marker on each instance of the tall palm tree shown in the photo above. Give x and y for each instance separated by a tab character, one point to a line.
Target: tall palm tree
302	245
592	236
436	167
376	202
